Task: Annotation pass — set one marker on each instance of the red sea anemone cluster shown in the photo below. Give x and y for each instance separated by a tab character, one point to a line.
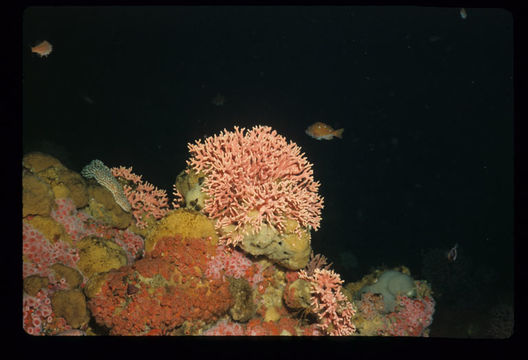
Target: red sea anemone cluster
371	305
235	264
42	254
79	225
164	293
411	318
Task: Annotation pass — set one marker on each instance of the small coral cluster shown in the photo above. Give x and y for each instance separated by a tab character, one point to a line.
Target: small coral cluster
234	263
145	199
371	305
328	302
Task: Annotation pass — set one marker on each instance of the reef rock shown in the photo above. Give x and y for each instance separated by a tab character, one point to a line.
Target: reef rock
187	223
189	184
297	295
244	307
99	255
62	181
37	196
72	276
71	305
104	209
33	283
290	249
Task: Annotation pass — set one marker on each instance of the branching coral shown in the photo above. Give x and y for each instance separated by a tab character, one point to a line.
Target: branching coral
255	177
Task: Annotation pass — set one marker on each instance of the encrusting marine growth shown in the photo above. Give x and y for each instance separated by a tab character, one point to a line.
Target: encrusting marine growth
107	253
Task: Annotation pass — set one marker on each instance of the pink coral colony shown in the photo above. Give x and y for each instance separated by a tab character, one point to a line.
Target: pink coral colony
255	177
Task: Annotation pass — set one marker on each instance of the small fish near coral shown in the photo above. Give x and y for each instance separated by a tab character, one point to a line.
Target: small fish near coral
321	131
463	13
452	254
43	49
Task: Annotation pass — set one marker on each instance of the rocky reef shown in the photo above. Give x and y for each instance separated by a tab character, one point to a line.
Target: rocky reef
89	269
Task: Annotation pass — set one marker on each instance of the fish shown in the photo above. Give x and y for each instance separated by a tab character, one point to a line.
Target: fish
218	100
452	254
463	13
321	131
88	99
43	49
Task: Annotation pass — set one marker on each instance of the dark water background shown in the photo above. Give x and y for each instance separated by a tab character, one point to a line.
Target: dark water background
425	98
